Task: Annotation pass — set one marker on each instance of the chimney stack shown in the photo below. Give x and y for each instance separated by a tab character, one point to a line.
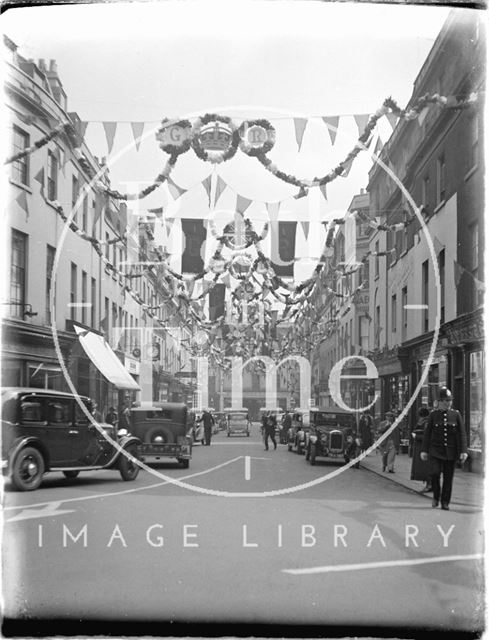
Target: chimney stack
42	65
52	66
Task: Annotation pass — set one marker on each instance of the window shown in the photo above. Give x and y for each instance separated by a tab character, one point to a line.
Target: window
73	291
404	301
114	314
473	262
425	191
377	327
394	313
75	189
376	259
52	176
441	268
18	271
114	256
474	142
424	295
105	324
60	411
107	246
32	409
50	253
84	284
85	213
440	179
20	168
93	299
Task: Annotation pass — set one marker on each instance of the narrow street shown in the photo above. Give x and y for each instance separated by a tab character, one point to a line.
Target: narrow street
296	559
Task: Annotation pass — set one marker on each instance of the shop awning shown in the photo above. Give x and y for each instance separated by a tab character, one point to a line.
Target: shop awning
102	356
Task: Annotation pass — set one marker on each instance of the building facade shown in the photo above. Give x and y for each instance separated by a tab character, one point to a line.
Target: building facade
84	268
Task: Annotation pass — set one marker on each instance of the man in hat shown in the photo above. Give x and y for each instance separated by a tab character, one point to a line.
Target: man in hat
444	442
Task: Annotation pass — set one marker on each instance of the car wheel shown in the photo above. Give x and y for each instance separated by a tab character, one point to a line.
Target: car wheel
27	469
159	434
71	474
128	468
184	463
312	459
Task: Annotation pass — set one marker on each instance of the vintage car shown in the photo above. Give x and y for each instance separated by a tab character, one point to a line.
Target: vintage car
45	431
328	433
238	422
299	428
164	431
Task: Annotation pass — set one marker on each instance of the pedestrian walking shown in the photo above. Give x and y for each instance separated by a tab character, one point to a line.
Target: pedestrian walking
420	468
352	449
444	443
269	430
208	420
390	446
125	416
112	417
365	428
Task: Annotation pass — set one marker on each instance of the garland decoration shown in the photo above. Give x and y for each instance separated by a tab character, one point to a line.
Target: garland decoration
256	137
37	145
159	180
216	143
175	138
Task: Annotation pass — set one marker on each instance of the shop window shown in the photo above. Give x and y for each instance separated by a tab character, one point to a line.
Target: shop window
20	168
476	415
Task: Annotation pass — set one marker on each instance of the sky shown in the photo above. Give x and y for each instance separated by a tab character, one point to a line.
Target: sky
142	61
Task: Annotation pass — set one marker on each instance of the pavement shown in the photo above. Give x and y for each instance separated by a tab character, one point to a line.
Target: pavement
468	487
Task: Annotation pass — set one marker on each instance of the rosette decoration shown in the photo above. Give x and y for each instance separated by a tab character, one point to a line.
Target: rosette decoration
241	265
175	137
214	138
257	137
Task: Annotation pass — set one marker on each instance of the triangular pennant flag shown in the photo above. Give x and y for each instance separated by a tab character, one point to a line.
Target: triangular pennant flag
273	208
300	127
220	186
39	177
332	122
437	245
305	228
174	189
457	272
82	127
361	120
169	222
242	204
392	119
379	146
322	188
227	280
110	129
137	132
207	183
158	212
21	200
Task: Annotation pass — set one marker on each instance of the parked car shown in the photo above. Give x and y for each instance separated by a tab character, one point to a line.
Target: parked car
328	432
46	431
238	421
299	428
164	431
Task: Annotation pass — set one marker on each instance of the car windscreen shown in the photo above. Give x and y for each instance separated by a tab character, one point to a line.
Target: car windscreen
328	419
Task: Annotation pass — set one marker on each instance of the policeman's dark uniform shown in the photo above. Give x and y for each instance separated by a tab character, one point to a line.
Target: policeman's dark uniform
444	440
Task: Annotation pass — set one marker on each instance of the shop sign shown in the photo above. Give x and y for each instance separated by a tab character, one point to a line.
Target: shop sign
131	365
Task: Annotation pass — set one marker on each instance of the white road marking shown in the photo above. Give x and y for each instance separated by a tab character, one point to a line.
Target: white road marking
50	511
119	493
247	468
381	565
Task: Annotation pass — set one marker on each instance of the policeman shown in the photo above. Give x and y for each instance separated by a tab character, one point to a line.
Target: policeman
444	442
